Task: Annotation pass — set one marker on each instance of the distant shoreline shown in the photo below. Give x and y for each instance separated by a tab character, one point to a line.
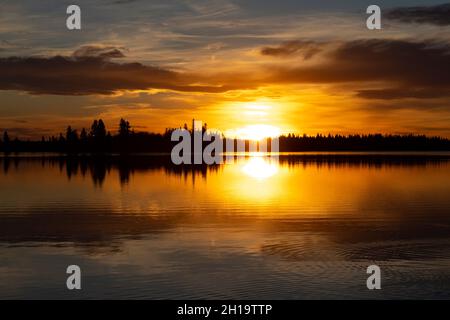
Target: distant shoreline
98	140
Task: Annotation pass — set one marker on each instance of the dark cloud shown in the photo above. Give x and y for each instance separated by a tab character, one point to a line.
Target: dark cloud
417	67
90	71
399	93
437	15
306	49
406	69
99	52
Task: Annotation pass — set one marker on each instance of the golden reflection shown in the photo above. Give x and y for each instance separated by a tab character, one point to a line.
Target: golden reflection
254	179
260	168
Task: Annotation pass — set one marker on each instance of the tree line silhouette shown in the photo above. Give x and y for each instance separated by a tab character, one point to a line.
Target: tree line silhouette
95	140
367	142
99	140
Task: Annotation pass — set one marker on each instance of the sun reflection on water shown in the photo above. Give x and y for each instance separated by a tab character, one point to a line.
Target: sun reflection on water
260	168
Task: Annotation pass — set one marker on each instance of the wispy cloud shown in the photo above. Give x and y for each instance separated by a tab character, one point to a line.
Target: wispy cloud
101	52
304	48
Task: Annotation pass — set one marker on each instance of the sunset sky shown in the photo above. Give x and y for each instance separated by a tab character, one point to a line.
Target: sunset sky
298	66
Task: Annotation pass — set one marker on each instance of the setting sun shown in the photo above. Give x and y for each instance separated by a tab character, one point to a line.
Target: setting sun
254	132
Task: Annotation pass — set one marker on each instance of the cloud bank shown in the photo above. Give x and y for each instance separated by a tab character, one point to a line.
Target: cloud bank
419	69
90	70
379	68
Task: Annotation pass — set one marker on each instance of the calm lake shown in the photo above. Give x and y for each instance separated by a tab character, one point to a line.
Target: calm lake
304	227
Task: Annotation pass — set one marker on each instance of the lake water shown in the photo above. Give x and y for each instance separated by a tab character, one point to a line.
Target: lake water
304	227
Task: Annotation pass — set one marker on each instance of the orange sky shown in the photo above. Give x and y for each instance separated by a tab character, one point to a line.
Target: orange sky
294	67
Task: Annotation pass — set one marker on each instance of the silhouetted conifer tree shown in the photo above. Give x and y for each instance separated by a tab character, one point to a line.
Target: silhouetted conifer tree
94	129
83	136
101	129
124	128
6	140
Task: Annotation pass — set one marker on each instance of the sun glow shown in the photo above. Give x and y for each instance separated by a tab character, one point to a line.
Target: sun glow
254	132
256	109
259	168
